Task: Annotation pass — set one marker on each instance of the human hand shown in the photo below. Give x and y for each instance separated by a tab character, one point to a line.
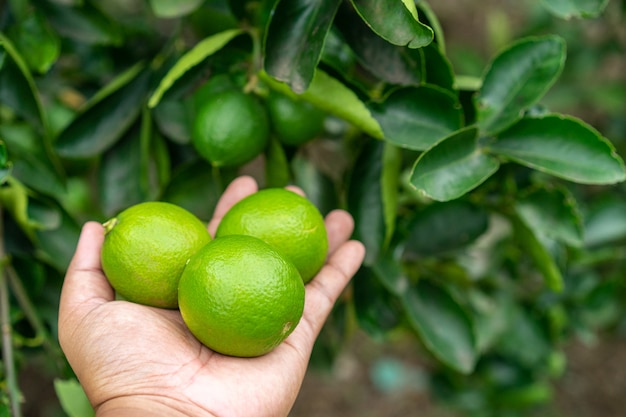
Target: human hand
134	360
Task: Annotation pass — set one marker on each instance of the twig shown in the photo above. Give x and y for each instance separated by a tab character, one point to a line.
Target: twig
7	334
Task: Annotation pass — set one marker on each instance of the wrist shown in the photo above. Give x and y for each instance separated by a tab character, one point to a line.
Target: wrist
145	406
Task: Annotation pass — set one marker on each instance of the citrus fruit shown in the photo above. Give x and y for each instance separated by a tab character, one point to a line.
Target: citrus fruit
145	250
294	122
240	297
230	128
285	220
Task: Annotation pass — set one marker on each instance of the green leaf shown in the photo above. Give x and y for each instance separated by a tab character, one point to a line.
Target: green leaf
444	227
39	45
453	166
372	193
294	40
418	117
438	68
568	9
377	311
562	146
85	23
73	398
277	172
57	245
17	87
393	64
392	21
525	329
516	79
107	116
430	19
155	161
552	213
335	98
442	325
193	57
194	188
119	176
538	252
169	9
605	222
31	163
174	119
14	199
318	187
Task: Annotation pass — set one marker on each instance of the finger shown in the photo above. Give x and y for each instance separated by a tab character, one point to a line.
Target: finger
324	290
84	281
295	189
339	227
239	188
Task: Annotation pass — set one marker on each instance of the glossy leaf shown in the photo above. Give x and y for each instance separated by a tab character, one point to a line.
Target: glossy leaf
562	146
294	40
418	117
552	213
393	64
541	257
168	9
453	166
39	45
335	98
568	9
372	197
106	118
516	79
192	58
392	21
442	324
443	227
429	17
438	68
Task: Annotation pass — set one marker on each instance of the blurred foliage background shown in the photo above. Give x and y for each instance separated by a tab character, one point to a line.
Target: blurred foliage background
451	314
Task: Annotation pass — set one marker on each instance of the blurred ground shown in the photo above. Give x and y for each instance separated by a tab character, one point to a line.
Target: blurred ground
594	383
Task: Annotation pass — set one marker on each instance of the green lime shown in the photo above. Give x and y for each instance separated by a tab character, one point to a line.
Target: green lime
240	297
230	128
294	121
145	250
286	221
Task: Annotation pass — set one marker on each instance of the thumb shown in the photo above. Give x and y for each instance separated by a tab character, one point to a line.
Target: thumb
85	284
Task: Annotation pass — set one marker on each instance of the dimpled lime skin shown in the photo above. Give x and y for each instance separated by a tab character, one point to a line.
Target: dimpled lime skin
146	248
239	297
286	221
230	128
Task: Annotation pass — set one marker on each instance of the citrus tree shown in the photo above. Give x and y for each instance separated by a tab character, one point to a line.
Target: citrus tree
493	226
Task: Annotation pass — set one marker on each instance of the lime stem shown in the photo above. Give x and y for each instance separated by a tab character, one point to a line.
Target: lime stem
110	224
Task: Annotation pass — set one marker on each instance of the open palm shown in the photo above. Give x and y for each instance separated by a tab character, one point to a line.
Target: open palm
132	359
